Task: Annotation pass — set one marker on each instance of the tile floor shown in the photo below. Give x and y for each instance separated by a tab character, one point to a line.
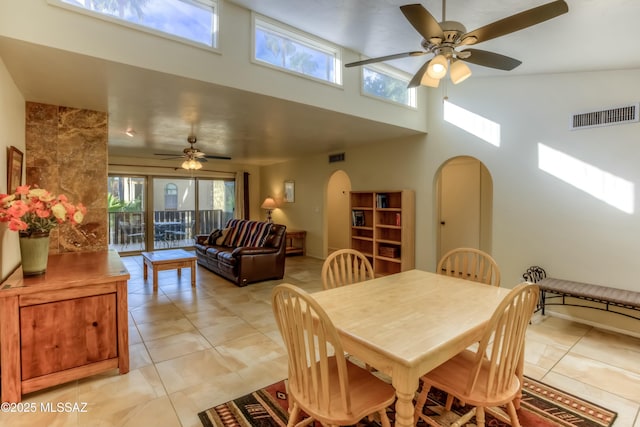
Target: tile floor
191	349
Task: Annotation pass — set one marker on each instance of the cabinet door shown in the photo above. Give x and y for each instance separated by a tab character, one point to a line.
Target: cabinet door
66	334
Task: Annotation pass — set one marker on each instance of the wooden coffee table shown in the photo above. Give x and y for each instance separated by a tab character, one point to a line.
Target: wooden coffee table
168	260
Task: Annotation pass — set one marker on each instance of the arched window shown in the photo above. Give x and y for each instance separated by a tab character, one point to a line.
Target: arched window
171	197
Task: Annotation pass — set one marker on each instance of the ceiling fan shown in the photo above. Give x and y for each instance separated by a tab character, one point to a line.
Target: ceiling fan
193	157
442	39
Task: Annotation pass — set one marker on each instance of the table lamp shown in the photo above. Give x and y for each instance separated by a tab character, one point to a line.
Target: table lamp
269	204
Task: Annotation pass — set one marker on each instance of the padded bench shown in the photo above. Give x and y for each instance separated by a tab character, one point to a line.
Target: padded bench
556	291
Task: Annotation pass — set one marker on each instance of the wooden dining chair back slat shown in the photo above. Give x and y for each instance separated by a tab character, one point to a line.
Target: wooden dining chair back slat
503	341
345	267
487	376
320	377
470	264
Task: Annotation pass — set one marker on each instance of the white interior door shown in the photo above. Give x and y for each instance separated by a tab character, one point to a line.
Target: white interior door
459	204
338	212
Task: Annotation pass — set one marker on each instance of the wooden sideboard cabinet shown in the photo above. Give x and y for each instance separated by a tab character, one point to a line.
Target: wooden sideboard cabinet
69	323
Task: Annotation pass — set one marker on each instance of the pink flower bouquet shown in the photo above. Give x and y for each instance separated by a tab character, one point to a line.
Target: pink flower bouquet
35	210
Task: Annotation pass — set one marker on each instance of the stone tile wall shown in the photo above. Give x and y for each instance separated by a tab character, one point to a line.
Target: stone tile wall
66	153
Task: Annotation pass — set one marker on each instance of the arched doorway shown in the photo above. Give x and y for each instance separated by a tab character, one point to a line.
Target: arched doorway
464	189
338	216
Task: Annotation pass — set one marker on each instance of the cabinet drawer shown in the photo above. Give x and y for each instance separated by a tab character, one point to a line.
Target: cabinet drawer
66	334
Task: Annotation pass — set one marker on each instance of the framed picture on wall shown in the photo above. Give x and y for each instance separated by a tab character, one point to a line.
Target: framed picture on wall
14	169
289	192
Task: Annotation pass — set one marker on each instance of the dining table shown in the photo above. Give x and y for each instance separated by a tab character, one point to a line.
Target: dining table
408	323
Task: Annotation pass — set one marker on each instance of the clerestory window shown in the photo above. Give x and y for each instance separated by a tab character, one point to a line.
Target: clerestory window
285	48
194	21
388	84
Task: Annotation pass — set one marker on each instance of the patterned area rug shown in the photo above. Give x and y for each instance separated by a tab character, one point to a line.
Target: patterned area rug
542	406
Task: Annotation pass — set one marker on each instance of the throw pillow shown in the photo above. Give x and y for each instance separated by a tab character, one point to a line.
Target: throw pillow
220	240
214	236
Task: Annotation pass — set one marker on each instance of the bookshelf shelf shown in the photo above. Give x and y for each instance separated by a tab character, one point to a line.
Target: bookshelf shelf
383	228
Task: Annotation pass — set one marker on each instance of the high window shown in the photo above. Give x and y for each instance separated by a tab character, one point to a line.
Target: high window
388	84
191	20
289	50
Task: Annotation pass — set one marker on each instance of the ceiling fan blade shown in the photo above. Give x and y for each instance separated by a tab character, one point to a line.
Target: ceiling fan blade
384	58
422	21
518	21
490	59
170	156
215	157
417	77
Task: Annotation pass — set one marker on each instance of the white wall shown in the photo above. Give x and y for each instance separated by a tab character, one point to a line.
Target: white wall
38	22
537	218
392	165
12	128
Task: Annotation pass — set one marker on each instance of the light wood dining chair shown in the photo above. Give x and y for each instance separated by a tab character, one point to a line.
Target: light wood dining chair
344	267
488	376
322	383
470	264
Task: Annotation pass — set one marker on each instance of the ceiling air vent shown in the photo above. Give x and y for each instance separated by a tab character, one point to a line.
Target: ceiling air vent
608	117
336	157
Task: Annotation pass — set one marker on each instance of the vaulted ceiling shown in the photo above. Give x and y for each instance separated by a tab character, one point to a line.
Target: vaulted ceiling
594	35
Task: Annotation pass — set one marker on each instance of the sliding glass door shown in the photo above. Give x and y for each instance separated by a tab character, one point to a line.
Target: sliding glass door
174	212
126	198
181	208
216	203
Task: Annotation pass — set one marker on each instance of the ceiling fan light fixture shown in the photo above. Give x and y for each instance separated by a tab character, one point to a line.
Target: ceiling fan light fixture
437	68
191	164
459	71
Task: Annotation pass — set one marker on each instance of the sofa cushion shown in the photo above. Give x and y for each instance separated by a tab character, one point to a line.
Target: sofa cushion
213	237
220	241
213	251
227	258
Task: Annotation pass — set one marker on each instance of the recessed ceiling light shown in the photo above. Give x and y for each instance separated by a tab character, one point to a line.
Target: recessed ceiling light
130	132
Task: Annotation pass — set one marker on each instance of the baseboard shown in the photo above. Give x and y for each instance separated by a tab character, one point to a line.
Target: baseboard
591	323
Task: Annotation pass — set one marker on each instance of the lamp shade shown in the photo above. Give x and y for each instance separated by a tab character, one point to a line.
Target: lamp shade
459	71
437	68
269	203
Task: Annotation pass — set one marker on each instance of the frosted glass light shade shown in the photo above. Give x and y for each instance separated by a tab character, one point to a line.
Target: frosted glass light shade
428	81
437	68
191	164
459	71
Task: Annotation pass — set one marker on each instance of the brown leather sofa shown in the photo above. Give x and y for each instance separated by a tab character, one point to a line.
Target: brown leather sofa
251	251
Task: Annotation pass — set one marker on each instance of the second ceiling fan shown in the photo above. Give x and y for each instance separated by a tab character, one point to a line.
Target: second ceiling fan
442	39
193	156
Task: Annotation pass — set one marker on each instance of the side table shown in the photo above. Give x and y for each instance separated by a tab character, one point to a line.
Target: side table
296	242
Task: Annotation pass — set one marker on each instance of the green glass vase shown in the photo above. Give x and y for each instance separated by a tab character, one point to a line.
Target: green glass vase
34	250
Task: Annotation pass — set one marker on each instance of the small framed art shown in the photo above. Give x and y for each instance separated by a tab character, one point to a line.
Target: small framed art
289	191
14	169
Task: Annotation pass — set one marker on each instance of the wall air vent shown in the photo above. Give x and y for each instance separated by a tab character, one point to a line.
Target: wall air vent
336	157
608	117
